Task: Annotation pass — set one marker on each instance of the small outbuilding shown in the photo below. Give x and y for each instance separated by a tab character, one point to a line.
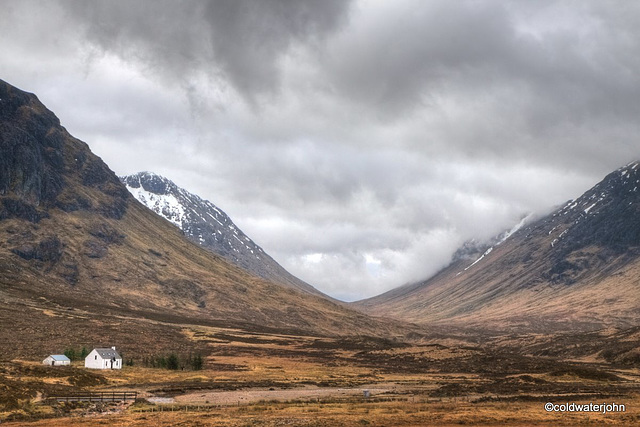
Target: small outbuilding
103	358
57	360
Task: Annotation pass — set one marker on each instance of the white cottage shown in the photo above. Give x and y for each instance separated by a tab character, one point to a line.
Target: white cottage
56	360
103	358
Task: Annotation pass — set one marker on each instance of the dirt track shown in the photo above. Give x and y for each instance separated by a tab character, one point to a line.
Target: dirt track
254	395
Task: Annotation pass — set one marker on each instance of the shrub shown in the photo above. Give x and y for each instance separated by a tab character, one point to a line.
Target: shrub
197	363
172	362
70	353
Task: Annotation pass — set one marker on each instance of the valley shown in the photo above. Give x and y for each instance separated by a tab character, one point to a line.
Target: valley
270	378
546	313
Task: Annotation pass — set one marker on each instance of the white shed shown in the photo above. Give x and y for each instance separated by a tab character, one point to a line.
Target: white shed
103	358
56	360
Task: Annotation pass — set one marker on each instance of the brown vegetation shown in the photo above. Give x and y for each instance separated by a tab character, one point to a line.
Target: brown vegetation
269	379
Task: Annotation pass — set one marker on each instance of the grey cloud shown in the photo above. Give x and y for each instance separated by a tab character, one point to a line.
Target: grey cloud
236	41
474	55
397	60
248	37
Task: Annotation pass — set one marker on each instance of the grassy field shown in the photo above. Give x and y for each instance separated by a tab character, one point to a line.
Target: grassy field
277	379
354	413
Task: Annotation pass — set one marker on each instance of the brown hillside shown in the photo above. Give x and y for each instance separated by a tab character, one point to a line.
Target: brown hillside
72	238
575	269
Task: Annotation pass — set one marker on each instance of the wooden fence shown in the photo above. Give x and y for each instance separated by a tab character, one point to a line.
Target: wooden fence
100	396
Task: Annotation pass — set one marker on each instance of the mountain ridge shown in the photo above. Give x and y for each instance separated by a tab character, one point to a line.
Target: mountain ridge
574	268
207	225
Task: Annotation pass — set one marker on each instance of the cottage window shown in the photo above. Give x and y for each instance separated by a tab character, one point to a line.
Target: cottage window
96	357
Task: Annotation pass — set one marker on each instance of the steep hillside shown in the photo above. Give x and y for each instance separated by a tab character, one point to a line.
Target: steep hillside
578	267
207	225
74	241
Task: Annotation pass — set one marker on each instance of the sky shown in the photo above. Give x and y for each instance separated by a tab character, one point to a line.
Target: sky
360	143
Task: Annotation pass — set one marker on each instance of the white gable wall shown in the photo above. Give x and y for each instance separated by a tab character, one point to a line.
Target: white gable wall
95	361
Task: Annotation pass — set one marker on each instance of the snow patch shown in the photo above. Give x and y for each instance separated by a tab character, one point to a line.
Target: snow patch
487	252
590	207
515	228
166	205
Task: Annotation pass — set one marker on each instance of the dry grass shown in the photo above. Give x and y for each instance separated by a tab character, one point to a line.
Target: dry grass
273	379
358	413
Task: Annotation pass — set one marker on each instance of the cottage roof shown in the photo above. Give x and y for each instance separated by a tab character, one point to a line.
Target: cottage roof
60	358
108	353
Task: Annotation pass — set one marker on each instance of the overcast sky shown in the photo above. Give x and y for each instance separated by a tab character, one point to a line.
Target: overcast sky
359	143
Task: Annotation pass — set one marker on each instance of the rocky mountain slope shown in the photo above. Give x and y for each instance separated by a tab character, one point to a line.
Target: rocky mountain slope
578	267
207	225
78	252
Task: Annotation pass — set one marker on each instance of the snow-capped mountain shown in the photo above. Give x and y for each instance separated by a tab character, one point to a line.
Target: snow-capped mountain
606	215
578	266
74	241
204	223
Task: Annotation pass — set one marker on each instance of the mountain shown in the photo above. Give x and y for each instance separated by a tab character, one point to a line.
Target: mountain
207	225
81	260
577	268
